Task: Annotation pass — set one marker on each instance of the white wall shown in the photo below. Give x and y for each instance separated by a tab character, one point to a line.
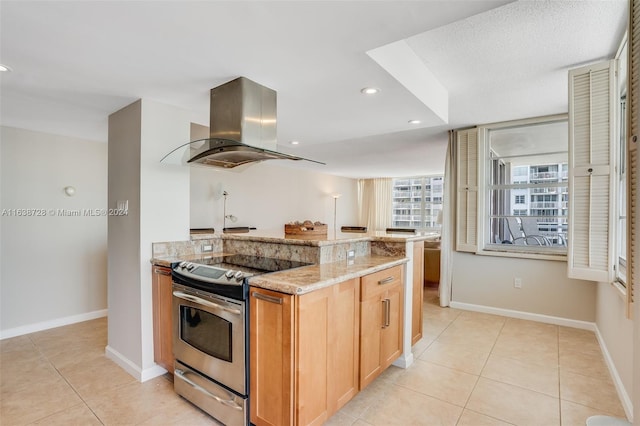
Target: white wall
164	199
158	196
124	333
267	195
617	333
546	290
53	267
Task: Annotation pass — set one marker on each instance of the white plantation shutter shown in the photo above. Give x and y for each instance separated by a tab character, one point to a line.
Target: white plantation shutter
633	102
591	137
467	190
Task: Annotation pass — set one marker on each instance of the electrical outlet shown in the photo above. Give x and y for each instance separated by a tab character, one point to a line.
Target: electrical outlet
351	257
517	282
207	247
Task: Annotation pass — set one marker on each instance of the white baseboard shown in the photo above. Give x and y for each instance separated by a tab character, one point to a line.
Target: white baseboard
46	325
404	361
548	319
627	404
130	367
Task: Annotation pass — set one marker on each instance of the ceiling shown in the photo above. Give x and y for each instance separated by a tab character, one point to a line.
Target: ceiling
75	62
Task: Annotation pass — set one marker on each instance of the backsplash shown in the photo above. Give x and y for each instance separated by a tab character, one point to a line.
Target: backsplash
388	248
338	252
185	248
308	253
301	253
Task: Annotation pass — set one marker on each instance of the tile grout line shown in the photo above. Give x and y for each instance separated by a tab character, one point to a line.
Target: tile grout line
416	359
67	382
559	386
480	373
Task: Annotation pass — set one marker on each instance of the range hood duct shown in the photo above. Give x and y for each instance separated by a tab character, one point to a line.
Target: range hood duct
242	127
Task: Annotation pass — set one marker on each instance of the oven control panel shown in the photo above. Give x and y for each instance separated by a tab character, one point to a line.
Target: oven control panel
212	274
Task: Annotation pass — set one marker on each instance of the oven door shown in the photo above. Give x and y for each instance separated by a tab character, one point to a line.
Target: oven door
209	336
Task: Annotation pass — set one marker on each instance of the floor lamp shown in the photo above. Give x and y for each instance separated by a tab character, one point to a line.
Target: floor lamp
335	211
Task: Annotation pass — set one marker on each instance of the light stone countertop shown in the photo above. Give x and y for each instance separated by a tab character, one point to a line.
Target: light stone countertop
314	277
304	279
278	236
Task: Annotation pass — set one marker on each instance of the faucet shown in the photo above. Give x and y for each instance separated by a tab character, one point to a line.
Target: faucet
226	216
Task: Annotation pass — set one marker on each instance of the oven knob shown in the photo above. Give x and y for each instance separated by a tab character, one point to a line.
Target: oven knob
238	276
229	274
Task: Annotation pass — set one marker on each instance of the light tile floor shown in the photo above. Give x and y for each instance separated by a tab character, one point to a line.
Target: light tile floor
471	369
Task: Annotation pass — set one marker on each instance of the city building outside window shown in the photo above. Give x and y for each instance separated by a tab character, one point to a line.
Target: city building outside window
417	202
526	192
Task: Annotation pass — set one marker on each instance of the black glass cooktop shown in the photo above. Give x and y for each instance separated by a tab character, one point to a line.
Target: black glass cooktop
251	264
227	275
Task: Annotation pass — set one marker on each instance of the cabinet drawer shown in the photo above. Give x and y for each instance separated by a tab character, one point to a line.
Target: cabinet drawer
378	282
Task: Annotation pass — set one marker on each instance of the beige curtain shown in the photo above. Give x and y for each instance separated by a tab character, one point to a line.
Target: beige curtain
448	221
375	203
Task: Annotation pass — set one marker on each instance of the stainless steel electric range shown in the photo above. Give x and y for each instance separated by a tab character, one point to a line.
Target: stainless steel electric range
210	332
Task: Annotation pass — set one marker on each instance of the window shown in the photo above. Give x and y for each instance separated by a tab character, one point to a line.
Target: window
525	192
417	202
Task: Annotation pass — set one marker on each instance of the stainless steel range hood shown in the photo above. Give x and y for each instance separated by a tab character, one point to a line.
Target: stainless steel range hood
242	127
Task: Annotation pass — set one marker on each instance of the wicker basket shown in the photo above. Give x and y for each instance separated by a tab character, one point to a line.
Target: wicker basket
305	230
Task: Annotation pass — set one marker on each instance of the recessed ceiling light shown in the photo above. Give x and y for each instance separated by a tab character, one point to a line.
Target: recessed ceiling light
415	121
369	90
295	143
4	68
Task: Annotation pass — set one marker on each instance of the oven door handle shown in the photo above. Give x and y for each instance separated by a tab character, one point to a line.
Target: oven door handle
196	299
228	402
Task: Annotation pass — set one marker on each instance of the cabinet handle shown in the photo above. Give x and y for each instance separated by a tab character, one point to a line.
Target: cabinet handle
385	281
228	402
267	298
387	313
195	299
386	309
161	271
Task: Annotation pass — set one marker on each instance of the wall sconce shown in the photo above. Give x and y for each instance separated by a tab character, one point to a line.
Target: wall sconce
70	191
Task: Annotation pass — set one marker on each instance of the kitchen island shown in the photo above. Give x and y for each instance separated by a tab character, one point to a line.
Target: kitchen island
320	333
320	250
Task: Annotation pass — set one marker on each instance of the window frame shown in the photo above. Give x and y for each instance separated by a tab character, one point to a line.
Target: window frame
621	166
485	247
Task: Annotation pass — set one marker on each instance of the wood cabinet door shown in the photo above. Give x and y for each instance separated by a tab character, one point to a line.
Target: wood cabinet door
312	364
371	316
271	355
162	295
380	322
391	334
418	291
327	351
344	344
